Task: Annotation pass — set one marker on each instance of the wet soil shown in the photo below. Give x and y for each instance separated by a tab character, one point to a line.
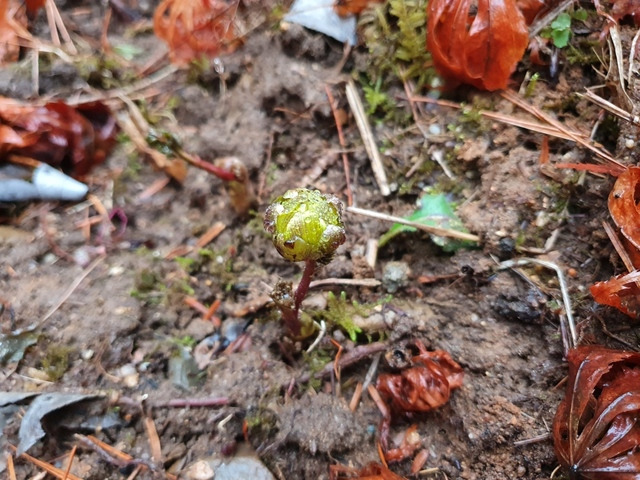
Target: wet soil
114	302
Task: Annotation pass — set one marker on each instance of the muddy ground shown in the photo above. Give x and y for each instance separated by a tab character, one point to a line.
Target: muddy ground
115	318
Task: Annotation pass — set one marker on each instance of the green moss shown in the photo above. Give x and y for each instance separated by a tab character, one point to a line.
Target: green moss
395	34
56	361
148	287
340	312
103	71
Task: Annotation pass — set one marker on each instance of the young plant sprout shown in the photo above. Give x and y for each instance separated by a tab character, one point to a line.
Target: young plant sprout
305	226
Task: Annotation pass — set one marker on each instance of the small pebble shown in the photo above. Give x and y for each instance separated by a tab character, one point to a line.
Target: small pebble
200	471
395	276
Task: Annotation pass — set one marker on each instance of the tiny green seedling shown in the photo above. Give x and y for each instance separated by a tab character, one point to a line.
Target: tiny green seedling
305	226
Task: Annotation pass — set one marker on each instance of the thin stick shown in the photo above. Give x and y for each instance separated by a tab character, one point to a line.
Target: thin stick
442	232
537	439
322	330
350	282
563	289
135	473
501	117
71	457
632	55
71	289
373	368
10	468
622	252
194	402
343	153
355	398
353	356
210	234
516	100
154	439
610	107
367	138
50	469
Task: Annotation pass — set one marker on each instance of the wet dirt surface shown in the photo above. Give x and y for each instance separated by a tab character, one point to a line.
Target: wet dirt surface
119	312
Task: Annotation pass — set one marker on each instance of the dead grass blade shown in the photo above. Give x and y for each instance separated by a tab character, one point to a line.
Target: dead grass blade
367	138
442	232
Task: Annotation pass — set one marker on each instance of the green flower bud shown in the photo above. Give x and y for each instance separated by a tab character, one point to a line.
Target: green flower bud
305	225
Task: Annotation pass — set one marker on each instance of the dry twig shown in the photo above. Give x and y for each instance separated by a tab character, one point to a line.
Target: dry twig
367	138
442	232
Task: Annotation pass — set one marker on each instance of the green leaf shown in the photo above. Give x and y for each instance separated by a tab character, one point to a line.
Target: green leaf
562	22
580	14
560	37
435	211
561	30
128	51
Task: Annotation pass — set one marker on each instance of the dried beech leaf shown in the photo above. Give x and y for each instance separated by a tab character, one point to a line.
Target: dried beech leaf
10	13
196	28
531	9
623	204
74	139
424	386
482	49
622	8
596	432
622	292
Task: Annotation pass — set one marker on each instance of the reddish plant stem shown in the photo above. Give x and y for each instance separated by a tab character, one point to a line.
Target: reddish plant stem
303	286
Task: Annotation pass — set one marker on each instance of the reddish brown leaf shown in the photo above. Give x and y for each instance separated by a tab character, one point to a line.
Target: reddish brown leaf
480	49
33	6
424	386
196	28
531	9
623	204
596	430
621	292
9	12
345	8
74	139
373	471
622	8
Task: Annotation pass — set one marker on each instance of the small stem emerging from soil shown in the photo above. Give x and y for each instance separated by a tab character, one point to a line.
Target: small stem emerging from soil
303	286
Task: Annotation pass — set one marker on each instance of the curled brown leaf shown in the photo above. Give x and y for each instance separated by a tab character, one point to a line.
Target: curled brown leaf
481	48
196	28
72	138
621	292
596	430
623	204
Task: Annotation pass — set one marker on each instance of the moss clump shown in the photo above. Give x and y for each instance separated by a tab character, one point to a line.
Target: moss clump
395	34
56	361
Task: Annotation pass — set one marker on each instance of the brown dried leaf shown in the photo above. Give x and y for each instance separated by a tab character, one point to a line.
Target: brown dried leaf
345	8
74	139
10	13
532	8
424	386
622	8
33	6
623	204
621	292
480	49
196	28
596	432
